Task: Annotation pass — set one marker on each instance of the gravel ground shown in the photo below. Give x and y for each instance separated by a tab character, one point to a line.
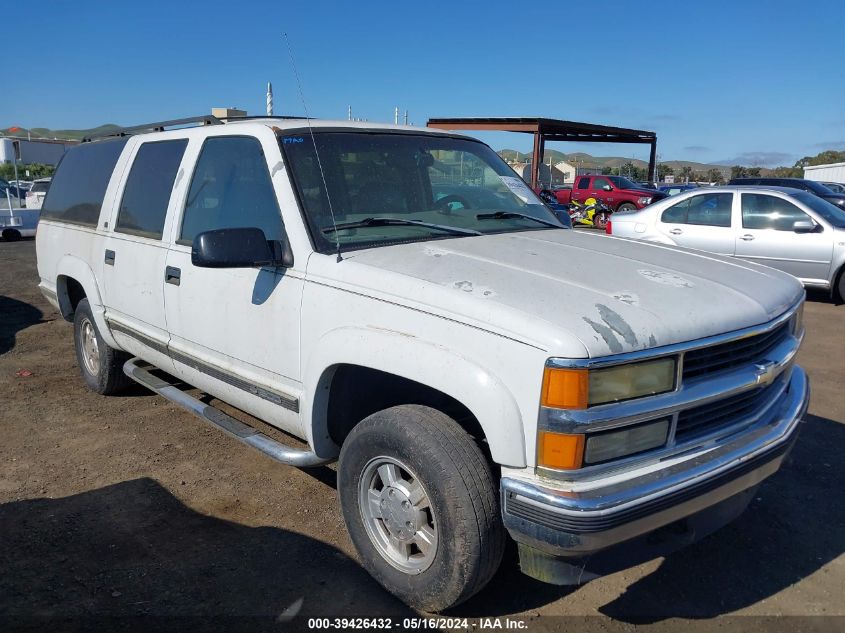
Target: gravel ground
128	506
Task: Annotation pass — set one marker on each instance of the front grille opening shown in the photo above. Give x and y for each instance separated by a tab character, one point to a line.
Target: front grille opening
724	413
733	353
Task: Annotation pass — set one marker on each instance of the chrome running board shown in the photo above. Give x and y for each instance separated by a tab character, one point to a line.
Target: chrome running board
140	372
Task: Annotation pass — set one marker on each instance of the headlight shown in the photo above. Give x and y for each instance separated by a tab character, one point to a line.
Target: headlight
581	388
562	451
644	201
626	441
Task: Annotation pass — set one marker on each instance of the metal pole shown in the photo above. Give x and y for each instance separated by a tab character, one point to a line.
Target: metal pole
652	160
396	115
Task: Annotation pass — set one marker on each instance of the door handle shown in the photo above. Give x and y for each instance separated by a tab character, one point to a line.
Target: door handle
173	275
109	257
746	237
676	231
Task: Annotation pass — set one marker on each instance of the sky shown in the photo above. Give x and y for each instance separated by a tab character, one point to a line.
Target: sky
757	83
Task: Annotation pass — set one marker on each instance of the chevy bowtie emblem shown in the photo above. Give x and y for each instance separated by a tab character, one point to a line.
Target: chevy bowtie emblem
766	372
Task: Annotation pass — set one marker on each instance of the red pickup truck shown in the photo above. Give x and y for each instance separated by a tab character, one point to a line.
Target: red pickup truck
617	192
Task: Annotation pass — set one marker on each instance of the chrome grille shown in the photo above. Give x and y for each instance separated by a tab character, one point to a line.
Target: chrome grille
724	413
732	354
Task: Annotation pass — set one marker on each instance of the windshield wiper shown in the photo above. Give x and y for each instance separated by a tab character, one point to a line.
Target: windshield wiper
368	222
507	215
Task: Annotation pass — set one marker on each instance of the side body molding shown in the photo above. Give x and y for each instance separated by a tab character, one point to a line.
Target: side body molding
425	362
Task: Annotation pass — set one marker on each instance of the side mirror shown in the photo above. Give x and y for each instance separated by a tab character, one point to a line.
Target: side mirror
239	248
607	188
804	226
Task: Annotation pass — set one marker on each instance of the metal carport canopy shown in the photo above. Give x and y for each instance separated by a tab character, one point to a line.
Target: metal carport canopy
553	130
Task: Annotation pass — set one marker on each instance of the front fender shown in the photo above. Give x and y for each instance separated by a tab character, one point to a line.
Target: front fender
483	393
73	267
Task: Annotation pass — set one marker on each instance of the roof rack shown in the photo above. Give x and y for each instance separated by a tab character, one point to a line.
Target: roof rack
155	127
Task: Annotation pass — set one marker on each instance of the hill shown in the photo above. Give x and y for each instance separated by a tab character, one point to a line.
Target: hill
64	135
587	160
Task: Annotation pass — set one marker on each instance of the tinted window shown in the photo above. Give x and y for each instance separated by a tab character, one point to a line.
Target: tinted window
600	183
761	211
828	211
231	188
710	209
143	207
584	183
77	190
40	187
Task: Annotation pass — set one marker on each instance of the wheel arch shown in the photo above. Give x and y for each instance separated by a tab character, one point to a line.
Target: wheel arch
397	362
74	281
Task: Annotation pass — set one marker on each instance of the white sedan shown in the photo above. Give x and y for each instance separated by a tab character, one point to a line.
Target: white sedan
792	230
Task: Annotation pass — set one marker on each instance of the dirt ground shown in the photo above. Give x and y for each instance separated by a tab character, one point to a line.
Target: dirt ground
129	506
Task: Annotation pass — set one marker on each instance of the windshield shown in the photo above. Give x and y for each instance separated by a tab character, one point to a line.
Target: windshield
623	183
424	183
828	211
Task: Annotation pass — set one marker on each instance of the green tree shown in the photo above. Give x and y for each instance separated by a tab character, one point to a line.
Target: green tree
754	172
822	158
738	171
715	175
664	170
686	173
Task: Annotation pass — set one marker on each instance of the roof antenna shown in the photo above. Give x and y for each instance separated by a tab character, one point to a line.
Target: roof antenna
314	142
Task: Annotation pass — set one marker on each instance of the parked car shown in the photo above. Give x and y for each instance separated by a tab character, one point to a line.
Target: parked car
835	187
25	185
617	192
812	186
794	231
17	222
9	193
475	371
674	189
35	196
647	184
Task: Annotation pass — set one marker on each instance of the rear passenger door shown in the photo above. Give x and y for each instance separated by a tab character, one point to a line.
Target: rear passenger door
235	327
701	221
767	237
135	253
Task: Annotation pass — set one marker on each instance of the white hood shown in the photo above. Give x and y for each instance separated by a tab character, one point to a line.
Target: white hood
571	293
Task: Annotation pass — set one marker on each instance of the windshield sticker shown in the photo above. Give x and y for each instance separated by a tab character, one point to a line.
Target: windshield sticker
519	188
293	139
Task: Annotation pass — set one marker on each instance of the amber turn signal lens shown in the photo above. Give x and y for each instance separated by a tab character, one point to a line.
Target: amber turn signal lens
560	451
565	388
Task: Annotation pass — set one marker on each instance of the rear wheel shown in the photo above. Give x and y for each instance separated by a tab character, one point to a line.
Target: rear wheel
627	206
421	506
11	235
101	366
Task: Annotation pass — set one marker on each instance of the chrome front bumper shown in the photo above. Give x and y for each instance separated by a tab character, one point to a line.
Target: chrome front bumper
548	520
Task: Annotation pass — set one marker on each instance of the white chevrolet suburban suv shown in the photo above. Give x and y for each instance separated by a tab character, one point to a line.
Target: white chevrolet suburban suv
398	299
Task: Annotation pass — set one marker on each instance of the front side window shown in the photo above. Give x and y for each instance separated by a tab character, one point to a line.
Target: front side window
600	183
363	189
143	207
761	211
231	188
709	209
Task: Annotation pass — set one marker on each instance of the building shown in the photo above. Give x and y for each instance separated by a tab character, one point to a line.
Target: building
832	172
44	151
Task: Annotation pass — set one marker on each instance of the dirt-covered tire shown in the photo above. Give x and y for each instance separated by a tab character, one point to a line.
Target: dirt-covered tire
421	506
11	235
626	206
100	365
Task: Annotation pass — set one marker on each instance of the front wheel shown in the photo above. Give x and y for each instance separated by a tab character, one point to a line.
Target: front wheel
626	206
600	220
11	235
421	506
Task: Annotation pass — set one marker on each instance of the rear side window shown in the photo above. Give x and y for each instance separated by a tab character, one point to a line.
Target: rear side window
143	207
709	209
79	186
760	211
231	188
